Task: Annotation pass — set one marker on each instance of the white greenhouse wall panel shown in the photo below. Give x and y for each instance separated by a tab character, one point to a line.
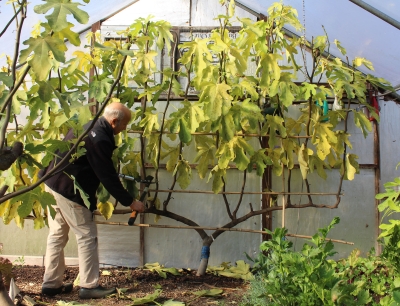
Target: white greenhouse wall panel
182	248
177	12
29	242
174	11
204	12
356	212
118	245
389	129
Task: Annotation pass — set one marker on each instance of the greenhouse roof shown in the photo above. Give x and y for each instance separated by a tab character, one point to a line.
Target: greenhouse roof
374	36
361	32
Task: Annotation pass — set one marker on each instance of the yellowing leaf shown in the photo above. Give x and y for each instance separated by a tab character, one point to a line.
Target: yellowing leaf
323	137
290	146
362	122
339	46
19	221
209	292
150	298
106	209
152	149
4	207
303	158
352	166
218	175
205	154
172	153
202	57
270	69
11	213
38	222
309	90
149	122
226	154
358	61
184	173
217	100
145	61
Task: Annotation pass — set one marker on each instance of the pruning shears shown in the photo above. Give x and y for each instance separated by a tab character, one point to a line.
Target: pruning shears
147	181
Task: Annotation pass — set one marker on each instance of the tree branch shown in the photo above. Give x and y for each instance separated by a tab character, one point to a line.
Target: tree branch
11	20
58	168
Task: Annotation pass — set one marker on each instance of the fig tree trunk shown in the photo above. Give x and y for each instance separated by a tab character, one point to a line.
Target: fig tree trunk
205	254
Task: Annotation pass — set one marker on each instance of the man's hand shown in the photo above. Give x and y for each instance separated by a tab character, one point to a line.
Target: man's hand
137	206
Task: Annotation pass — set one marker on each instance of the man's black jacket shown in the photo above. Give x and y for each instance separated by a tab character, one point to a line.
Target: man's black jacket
90	169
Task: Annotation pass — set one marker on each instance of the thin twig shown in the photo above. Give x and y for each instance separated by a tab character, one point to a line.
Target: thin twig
228	209
241	193
11	20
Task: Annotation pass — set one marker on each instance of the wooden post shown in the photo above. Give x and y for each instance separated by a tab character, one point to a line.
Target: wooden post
266	184
95	27
283	196
378	248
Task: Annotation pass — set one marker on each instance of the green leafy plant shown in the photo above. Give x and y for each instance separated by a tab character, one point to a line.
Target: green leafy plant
390	234
389	206
299	278
19	262
391	248
308	277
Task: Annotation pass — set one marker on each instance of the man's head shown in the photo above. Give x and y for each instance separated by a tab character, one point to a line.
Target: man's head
118	116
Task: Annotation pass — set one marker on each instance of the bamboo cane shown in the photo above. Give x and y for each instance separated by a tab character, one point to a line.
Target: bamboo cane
215	229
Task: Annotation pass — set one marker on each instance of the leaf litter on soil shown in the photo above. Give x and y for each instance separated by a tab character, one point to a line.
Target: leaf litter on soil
134	285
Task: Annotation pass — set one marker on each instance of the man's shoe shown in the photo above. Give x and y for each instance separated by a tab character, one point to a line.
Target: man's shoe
95	293
66	288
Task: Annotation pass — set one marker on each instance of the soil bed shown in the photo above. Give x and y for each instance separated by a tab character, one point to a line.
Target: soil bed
138	283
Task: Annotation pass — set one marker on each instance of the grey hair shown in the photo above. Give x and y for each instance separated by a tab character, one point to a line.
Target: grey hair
113	113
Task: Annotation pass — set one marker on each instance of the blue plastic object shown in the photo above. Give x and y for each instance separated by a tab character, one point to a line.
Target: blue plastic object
205	252
325	109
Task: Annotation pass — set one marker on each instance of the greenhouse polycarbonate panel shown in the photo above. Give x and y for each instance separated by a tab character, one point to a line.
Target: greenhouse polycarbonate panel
360	32
388	7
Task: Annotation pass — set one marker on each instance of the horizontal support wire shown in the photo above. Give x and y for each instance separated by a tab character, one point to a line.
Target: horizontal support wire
215	134
233	167
215	229
207	228
249	192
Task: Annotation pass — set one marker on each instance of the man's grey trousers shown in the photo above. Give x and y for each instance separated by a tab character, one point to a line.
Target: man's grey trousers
70	215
